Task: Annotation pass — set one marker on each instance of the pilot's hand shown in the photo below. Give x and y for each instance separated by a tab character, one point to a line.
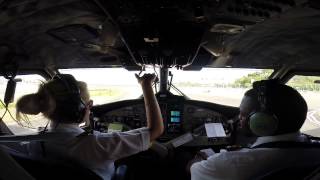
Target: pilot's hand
201	155
86	117
146	79
197	158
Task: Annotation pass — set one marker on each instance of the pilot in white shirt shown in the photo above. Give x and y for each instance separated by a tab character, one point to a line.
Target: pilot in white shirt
60	98
288	112
96	151
249	163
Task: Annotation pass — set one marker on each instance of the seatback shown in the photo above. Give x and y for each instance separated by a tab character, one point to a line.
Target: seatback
10	169
55	169
294	172
120	173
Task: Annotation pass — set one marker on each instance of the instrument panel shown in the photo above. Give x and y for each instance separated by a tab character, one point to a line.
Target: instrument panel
131	117
180	116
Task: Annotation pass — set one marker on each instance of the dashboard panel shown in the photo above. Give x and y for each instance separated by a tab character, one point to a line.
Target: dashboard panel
180	116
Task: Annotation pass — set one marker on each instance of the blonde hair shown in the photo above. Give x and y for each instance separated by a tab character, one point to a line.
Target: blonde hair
45	100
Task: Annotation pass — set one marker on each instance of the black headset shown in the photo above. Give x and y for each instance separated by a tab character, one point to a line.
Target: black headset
71	104
263	122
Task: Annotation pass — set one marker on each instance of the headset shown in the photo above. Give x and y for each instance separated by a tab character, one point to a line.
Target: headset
263	122
71	104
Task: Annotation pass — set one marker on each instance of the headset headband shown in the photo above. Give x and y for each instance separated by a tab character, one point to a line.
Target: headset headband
69	82
261	89
264	122
71	105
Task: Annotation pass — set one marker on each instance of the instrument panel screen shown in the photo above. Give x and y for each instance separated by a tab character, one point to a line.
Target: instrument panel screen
175	116
115	127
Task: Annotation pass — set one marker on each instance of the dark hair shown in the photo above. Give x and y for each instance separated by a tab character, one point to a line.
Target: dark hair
254	96
286	103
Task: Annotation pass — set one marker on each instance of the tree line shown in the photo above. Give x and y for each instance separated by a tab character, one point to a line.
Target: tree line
304	83
298	82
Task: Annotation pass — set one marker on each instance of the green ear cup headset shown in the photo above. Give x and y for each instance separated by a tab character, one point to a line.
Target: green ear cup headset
263	122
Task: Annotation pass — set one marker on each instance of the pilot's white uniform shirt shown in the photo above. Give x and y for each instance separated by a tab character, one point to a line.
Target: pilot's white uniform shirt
249	163
96	151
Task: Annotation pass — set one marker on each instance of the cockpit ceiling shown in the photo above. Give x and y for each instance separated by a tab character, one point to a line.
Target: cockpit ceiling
292	39
188	34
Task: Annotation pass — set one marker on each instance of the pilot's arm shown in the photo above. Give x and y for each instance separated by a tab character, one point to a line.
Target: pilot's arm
209	169
112	146
228	165
153	113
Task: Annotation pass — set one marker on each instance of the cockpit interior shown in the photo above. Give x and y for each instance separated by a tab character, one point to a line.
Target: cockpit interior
177	40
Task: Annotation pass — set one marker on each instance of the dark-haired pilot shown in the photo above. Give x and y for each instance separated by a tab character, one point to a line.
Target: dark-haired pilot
288	110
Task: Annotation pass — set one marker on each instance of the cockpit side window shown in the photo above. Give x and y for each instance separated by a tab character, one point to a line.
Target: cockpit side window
309	88
26	84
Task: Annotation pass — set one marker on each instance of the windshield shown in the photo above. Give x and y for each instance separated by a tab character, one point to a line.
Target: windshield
221	86
108	85
309	88
224	85
26	84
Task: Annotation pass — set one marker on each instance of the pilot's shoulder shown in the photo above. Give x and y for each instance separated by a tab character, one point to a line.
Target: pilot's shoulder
241	156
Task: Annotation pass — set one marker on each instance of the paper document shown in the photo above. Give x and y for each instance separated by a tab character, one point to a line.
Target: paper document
215	130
